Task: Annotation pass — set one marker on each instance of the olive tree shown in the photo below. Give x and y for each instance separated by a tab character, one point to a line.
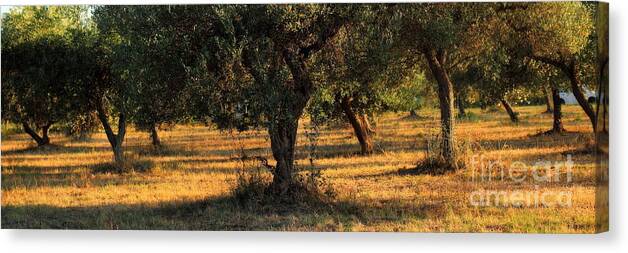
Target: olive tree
281	40
443	35
358	72
33	89
105	87
155	60
36	67
556	34
247	64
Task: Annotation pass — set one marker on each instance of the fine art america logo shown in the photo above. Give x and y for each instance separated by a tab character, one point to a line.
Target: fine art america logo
524	183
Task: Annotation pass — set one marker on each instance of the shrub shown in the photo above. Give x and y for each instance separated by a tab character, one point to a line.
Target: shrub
434	162
254	190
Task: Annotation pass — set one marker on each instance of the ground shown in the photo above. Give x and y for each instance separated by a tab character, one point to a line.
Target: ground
190	184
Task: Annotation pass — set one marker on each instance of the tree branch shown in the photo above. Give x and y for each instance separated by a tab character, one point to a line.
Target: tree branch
556	63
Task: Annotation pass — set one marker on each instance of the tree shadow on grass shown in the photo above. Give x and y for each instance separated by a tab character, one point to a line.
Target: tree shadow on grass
163	150
403	171
203	169
53	149
32	177
537	140
142	150
218	213
353	149
35	180
129	166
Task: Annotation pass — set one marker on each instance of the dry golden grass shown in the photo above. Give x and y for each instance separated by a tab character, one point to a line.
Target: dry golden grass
190	185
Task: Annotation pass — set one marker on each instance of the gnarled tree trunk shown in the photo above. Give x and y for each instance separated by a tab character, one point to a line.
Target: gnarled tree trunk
576	84
513	115
41	140
283	129
115	140
557	124
436	62
283	137
360	127
295	52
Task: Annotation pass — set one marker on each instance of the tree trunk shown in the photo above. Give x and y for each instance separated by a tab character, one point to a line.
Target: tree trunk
283	136
118	156
41	140
44	134
283	129
360	127
295	53
557	125
571	69
154	135
574	79
413	113
365	118
461	106
283	123
513	115
548	101
436	62
115	140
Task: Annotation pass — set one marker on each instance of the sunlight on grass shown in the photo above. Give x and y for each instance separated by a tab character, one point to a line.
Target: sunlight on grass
191	182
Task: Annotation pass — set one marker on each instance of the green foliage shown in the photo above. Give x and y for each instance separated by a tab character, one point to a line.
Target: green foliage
360	65
32	23
81	125
559	35
39	64
304	28
455	27
556	30
412	94
150	62
33	89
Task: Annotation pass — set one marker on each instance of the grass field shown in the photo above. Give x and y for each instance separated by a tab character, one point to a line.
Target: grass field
191	181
